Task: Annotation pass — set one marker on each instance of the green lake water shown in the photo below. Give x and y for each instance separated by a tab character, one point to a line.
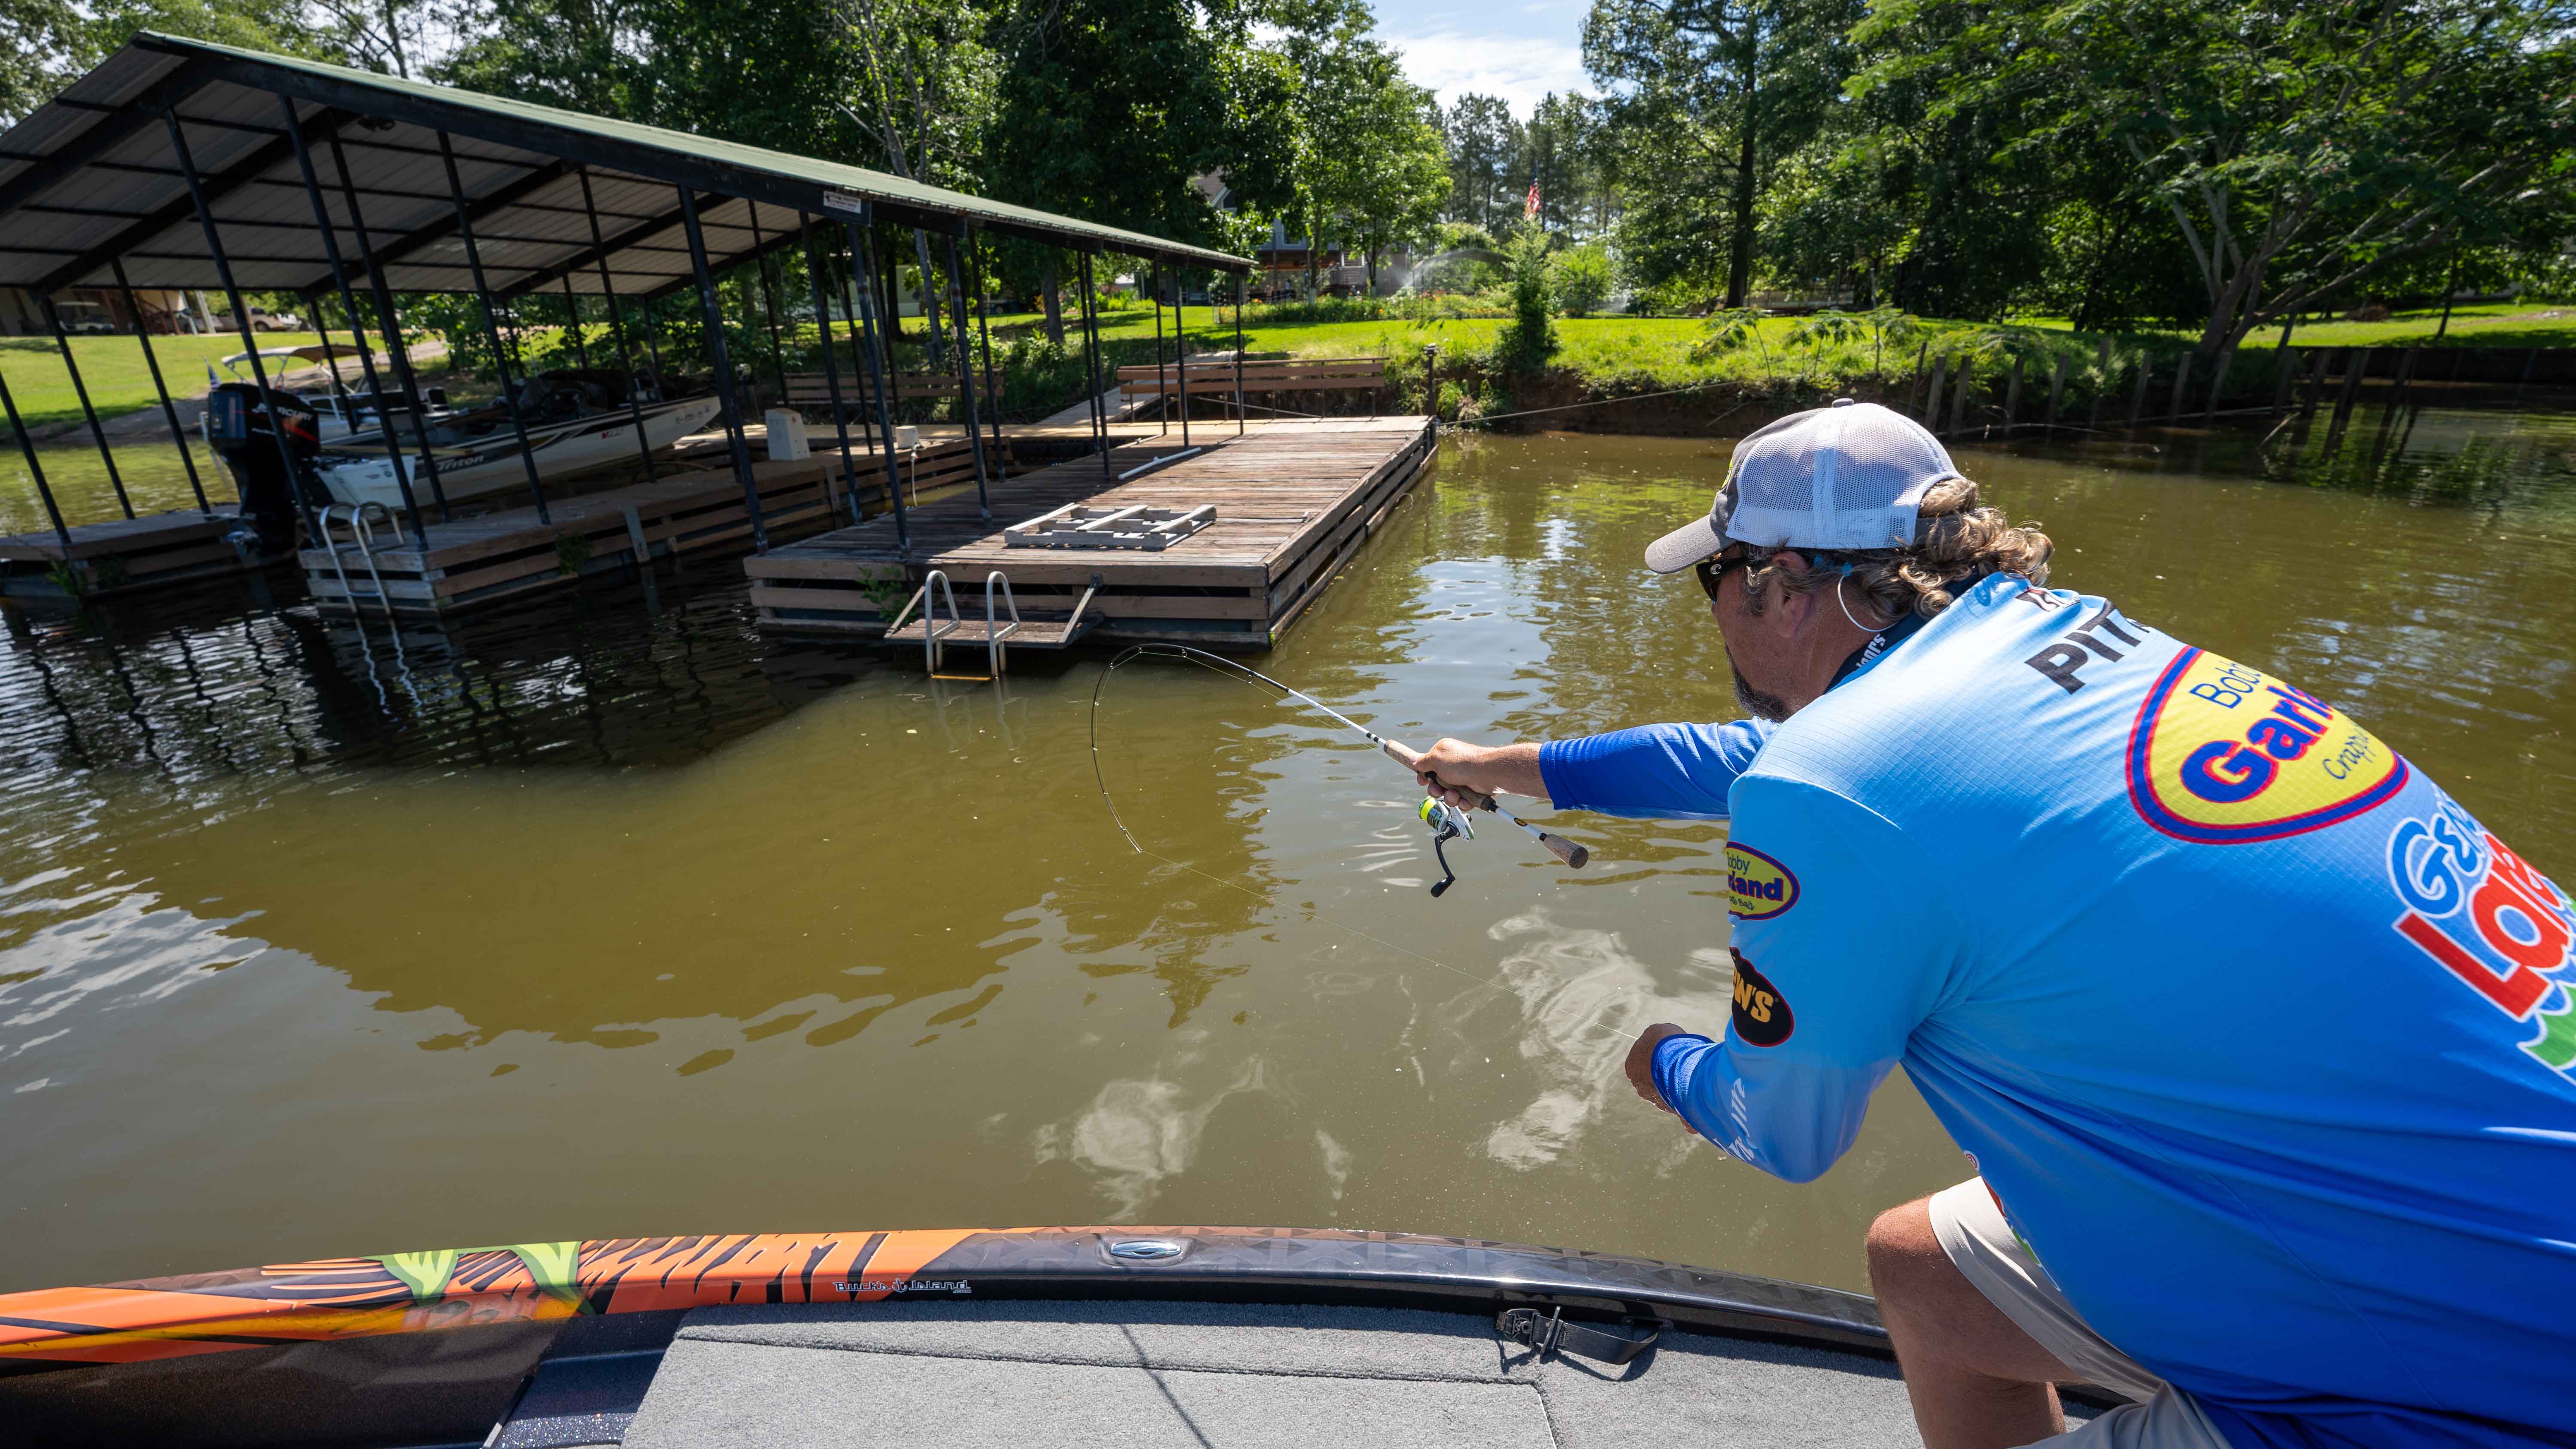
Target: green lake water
606	916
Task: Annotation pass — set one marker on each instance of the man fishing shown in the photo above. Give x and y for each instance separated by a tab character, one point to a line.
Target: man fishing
2260	1043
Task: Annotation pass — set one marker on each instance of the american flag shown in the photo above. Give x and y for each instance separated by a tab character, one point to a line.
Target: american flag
1529	206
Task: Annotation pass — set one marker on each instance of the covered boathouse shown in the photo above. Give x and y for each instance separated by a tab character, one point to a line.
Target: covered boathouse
179	164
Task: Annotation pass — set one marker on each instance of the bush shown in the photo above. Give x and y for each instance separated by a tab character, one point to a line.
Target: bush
1530	340
1325	309
1583	277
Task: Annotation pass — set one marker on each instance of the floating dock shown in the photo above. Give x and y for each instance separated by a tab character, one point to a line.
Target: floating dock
470	562
1293	501
121	555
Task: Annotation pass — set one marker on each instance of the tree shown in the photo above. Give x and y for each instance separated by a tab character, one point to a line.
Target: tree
1106	109
1383	169
1723	87
2298	149
1561	149
1484	147
47	44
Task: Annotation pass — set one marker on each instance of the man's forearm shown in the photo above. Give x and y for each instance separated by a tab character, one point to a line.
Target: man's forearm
1486	769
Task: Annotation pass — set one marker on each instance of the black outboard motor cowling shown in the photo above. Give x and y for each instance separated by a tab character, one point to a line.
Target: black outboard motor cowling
243	429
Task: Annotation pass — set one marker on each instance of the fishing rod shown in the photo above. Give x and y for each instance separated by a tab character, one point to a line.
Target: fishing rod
1447	821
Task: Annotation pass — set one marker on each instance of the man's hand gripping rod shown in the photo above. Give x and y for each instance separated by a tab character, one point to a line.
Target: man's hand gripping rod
1557	845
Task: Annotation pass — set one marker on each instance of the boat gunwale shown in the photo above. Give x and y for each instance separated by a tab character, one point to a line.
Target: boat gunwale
343	1298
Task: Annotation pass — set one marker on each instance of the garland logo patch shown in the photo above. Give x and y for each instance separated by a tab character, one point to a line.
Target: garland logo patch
1757	887
1761	1018
2223	755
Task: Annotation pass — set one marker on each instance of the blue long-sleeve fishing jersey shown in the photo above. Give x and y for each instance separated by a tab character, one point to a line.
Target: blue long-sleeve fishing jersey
2263	1042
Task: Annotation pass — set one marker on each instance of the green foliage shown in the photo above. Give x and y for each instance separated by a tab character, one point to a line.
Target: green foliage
1733	330
1107	108
1583	278
2298	150
1706	95
1484	144
1530	339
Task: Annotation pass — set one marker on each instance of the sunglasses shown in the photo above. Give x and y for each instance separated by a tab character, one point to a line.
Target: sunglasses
1712	569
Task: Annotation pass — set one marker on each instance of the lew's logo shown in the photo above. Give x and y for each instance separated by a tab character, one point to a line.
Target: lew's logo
1762	1018
2223	755
1757	887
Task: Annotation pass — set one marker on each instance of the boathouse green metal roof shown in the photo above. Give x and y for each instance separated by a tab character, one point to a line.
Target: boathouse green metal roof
93	177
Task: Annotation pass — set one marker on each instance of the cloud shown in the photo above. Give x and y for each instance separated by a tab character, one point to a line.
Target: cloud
1518	68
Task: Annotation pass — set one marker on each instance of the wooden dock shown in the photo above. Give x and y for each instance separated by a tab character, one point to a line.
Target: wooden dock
469	562
1294	500
123	555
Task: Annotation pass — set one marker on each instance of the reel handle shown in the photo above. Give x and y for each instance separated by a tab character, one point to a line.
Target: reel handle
1563	849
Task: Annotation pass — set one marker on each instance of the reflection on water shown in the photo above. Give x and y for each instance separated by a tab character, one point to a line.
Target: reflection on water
150	466
606	916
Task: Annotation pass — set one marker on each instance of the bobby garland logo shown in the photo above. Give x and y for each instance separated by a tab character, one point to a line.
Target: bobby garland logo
1758	887
2501	927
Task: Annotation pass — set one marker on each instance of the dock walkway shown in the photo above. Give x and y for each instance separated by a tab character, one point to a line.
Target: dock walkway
121	554
1293	500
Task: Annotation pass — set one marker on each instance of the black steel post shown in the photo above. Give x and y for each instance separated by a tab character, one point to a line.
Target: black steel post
389	326
1181	347
617	331
863	265
572	323
768	298
241	313
36	470
80	389
349	304
1091	361
1162	384
966	378
721	358
160	389
984	330
491	325
1242	283
831	365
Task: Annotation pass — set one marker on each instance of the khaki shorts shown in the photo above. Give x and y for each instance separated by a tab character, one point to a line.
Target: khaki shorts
1983	1246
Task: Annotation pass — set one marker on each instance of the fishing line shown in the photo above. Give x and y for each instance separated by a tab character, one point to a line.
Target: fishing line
1225	668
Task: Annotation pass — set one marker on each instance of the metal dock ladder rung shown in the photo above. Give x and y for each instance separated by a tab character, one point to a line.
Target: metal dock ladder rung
362	520
996	633
934	632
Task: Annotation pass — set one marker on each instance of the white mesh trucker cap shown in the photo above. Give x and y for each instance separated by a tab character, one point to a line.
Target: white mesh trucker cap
1848	476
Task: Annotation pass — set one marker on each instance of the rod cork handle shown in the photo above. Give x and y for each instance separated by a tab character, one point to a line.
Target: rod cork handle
1562	848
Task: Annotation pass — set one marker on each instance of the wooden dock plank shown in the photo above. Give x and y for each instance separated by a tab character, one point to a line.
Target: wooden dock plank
1294	500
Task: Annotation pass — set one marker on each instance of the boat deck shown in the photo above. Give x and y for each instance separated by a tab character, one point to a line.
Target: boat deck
1191	1375
1293	499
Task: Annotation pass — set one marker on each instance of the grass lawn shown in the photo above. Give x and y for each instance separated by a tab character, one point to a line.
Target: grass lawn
113	368
2481	324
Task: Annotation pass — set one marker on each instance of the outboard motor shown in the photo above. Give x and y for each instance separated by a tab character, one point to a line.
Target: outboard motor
243	428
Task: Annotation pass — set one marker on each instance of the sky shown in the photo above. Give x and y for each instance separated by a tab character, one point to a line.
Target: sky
1516	49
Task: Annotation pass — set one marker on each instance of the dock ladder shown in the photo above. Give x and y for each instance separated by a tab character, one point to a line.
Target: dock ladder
363	518
999	633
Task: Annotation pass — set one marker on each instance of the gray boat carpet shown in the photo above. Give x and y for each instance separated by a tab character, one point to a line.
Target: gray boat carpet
1185	1375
